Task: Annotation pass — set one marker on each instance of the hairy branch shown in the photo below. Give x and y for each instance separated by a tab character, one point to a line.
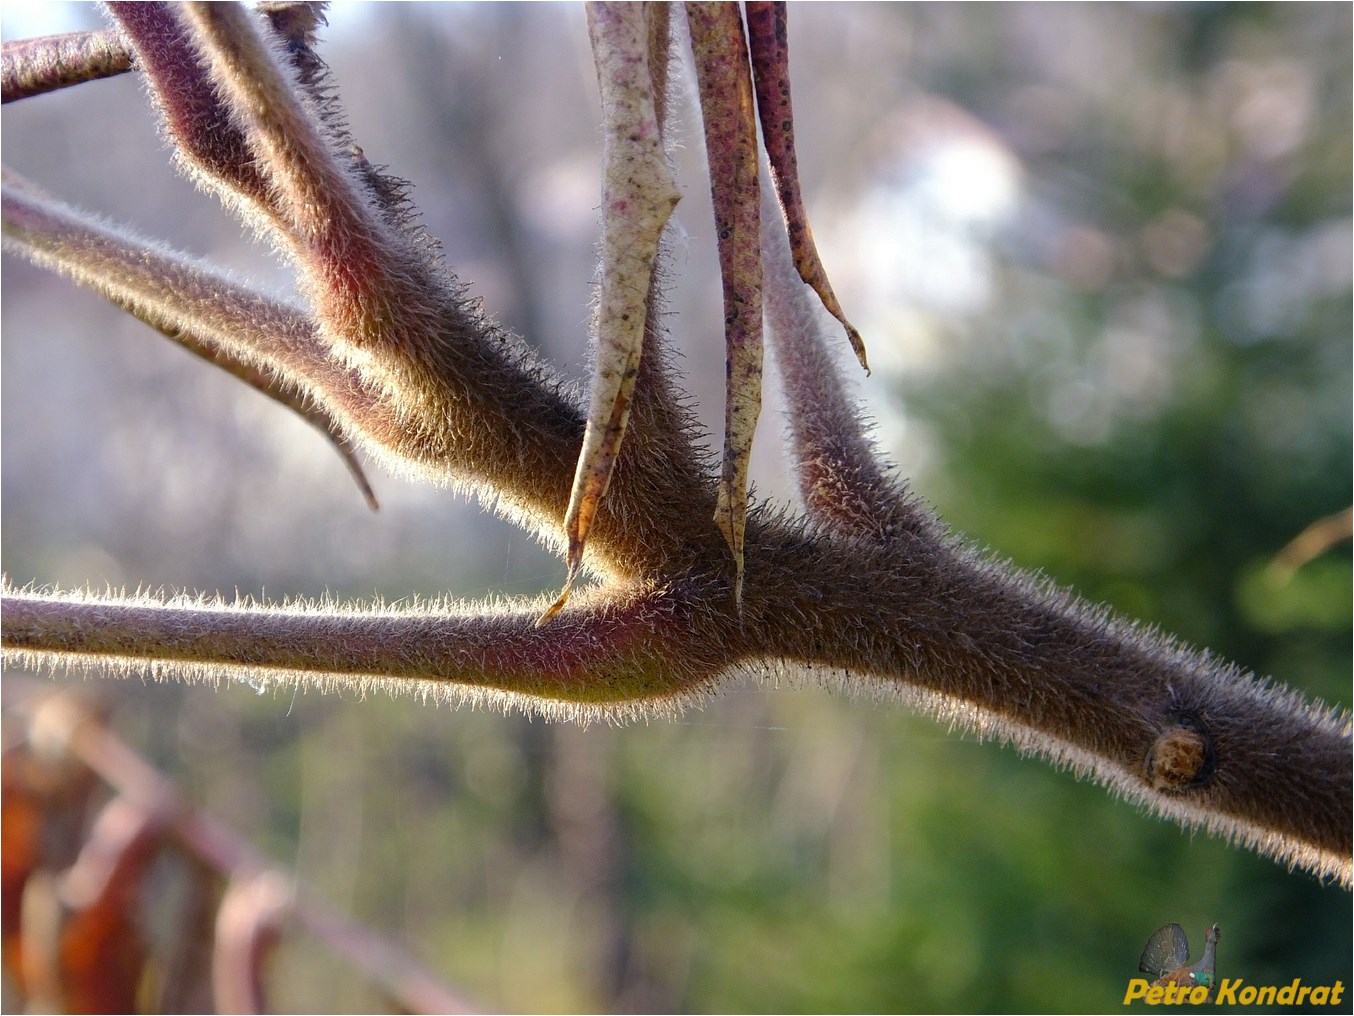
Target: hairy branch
606	649
841	481
869	588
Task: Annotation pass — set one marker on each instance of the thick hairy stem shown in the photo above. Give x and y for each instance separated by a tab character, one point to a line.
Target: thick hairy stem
1193	737
372	292
318	196
459	402
490	414
207	144
873	588
171	290
210	146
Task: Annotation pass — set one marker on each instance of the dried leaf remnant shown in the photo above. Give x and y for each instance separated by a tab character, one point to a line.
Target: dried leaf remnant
638	196
725	82
768	40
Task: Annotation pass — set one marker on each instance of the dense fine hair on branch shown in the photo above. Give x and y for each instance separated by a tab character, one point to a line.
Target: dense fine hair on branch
690	587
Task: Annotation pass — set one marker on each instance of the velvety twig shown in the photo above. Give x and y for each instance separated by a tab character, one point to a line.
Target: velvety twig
607	652
371	293
451	407
207	144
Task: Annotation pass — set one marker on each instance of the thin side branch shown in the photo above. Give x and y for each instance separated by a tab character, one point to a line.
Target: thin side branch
36	66
607	650
370	293
207	145
266	344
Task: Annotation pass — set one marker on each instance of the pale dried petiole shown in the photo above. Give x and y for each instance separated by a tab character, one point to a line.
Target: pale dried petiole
769	43
725	83
638	196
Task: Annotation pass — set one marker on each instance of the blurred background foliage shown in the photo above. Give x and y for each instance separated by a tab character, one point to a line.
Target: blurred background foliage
1102	257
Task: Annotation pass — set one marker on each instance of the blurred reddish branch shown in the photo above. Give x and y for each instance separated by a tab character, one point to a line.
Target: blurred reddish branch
88	825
